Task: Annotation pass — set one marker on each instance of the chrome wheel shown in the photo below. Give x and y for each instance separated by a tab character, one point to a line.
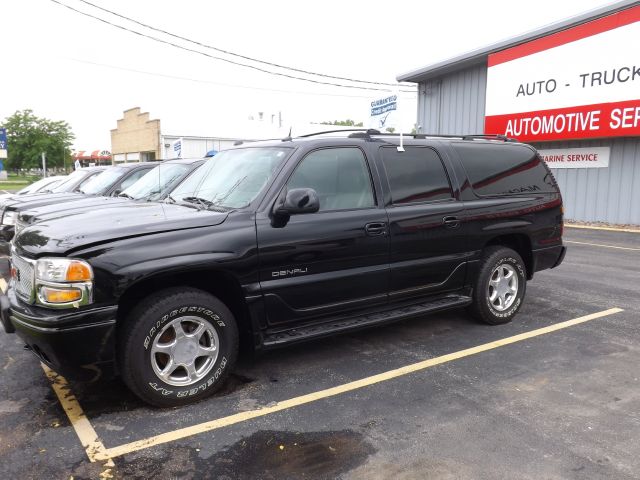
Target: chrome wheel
503	287
184	351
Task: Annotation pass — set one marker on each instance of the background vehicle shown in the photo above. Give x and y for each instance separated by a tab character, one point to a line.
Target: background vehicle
283	242
43	183
74	181
154	185
105	182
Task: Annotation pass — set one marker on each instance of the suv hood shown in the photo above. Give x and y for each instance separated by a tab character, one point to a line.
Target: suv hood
60	235
54	210
21	202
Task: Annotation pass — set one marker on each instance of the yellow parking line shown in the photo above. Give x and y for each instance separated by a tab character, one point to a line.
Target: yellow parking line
99	453
602	245
79	421
608	229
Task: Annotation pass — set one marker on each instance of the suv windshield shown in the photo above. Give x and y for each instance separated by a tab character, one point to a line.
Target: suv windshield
67	184
231	179
102	181
153	184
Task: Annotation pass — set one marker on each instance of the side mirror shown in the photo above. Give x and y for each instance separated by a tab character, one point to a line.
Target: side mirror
116	192
295	202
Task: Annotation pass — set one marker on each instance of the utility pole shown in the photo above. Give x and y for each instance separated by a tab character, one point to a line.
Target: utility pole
44	165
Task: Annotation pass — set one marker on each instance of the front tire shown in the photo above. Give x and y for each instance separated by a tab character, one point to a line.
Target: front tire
500	286
177	346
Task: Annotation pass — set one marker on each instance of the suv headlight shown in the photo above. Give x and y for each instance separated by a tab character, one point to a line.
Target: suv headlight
63	282
9	218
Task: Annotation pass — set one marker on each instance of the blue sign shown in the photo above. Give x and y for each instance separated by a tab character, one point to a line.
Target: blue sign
3	145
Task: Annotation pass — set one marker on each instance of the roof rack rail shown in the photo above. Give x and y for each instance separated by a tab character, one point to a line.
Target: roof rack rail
369	131
419	136
489	136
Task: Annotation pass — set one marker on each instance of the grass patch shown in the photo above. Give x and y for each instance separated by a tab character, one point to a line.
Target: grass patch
17	182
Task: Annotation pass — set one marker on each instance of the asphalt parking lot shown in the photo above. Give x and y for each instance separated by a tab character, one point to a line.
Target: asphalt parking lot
560	401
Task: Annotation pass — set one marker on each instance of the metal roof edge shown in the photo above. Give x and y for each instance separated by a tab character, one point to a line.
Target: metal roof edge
479	56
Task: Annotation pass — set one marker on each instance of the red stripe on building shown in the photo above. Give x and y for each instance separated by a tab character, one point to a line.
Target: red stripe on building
625	17
619	119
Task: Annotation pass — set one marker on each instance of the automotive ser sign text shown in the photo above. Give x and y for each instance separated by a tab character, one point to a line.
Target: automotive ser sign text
583	82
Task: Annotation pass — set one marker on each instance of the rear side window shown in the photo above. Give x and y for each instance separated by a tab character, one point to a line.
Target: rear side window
504	169
415	175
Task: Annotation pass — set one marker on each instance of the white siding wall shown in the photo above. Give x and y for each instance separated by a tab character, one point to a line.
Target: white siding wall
193	147
609	194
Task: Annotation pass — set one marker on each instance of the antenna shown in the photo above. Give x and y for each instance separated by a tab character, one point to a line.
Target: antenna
288	137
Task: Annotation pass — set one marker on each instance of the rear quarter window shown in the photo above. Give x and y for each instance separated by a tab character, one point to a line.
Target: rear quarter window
504	169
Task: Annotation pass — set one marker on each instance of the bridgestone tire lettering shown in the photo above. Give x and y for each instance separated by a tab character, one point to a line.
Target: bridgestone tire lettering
144	324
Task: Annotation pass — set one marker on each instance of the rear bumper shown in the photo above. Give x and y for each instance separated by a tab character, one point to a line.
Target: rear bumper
549	257
78	344
560	257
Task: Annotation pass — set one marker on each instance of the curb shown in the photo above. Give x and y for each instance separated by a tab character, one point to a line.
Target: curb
609	229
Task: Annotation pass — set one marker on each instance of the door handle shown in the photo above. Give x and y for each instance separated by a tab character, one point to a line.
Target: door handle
376	228
451	222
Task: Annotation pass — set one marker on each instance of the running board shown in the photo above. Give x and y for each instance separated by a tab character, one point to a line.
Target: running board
309	332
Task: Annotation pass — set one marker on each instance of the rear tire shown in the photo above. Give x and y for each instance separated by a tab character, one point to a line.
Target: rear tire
500	286
177	346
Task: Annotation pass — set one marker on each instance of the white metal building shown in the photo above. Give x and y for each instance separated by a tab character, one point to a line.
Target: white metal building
193	146
572	89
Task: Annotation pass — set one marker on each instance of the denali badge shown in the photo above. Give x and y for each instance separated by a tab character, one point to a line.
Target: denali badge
292	271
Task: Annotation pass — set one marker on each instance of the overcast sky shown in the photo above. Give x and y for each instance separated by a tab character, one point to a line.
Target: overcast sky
66	66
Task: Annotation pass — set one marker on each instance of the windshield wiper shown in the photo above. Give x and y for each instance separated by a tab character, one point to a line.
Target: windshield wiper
126	195
203	202
172	201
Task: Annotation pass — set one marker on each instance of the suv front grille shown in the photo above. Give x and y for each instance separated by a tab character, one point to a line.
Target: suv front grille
24	279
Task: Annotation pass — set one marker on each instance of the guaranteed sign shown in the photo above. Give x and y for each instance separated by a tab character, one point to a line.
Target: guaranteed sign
583	82
383	113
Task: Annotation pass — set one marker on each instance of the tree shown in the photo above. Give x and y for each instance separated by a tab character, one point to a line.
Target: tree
343	123
28	136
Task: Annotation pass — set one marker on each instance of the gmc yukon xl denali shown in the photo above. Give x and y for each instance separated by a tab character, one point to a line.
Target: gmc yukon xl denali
281	242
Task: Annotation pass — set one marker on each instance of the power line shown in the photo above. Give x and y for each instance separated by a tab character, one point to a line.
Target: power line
211	82
214	57
150	27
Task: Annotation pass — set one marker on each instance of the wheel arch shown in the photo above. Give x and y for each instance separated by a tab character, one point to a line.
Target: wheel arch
519	242
222	284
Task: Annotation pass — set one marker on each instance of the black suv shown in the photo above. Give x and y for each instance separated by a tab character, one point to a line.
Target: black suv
280	242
